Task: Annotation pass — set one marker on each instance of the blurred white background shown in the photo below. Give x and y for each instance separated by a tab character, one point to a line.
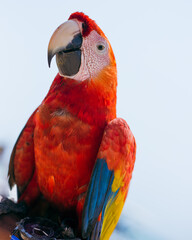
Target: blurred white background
152	41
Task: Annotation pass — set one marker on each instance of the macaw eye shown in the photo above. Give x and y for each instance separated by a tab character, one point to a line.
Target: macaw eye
100	47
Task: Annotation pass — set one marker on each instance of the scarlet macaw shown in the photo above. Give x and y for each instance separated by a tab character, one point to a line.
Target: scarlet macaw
73	150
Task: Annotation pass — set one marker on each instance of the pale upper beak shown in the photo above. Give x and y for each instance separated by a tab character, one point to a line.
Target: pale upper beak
65	43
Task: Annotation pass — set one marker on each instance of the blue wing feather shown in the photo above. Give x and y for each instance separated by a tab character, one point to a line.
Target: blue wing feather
98	195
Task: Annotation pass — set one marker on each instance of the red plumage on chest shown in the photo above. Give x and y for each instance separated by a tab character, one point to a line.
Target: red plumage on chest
69	126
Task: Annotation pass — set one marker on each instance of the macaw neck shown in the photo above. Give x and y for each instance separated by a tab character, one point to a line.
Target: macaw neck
92	101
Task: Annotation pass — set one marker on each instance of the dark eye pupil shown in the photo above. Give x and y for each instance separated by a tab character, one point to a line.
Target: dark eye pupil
100	47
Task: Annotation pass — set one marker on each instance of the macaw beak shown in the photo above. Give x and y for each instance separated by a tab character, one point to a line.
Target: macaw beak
65	43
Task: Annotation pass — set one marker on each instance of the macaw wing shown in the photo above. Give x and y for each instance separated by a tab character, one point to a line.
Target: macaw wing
109	182
99	192
22	164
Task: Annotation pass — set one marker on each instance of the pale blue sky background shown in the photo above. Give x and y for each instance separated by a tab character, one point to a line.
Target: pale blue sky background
152	41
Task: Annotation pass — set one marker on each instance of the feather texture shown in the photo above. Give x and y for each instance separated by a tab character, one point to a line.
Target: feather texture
110	180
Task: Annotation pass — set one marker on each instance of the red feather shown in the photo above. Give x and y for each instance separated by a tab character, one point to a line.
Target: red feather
88	24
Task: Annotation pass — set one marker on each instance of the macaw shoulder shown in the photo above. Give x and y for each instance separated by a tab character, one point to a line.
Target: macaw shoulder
118	145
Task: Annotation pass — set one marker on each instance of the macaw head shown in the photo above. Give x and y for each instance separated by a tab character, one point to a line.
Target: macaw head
82	50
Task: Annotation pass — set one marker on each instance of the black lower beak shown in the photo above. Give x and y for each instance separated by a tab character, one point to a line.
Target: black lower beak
69	59
68	63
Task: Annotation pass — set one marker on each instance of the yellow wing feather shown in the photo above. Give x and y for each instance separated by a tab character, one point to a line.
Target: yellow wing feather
112	215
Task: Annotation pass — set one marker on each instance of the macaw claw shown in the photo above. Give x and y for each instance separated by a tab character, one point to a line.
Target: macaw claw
67	230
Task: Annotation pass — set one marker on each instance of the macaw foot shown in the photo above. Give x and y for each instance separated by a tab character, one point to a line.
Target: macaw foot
67	229
8	206
67	232
42	228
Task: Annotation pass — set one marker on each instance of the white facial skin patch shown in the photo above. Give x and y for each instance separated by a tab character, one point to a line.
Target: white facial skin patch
94	56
